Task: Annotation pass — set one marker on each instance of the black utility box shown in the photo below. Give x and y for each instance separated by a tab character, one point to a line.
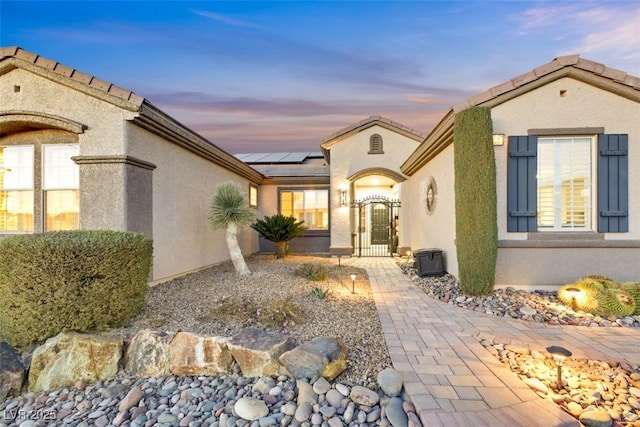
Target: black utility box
429	262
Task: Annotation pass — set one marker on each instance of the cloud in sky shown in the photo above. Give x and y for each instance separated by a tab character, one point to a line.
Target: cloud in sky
286	74
218	17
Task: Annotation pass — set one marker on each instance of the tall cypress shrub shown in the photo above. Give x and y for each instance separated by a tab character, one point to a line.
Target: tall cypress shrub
476	200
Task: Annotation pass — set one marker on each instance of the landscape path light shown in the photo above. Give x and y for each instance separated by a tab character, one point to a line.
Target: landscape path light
559	355
353	283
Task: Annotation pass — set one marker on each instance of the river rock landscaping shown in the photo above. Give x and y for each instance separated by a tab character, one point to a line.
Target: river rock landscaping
217	302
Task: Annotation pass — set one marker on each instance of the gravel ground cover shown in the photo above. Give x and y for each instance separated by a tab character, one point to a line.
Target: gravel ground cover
536	306
216	301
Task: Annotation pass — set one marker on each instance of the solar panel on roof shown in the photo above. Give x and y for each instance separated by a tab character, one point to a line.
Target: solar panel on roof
294	158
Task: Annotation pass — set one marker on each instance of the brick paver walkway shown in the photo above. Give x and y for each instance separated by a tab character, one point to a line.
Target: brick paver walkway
451	378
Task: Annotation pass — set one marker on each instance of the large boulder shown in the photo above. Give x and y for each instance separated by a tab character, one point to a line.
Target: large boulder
71	356
11	371
326	357
148	354
257	352
192	354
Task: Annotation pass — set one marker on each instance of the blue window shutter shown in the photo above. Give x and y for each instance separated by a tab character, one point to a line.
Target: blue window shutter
522	185
613	183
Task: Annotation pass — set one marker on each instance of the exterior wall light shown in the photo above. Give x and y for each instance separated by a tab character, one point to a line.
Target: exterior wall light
353	283
559	355
343	198
498	139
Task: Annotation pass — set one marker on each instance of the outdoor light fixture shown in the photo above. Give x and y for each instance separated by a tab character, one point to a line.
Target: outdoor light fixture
498	139
559	355
343	198
574	293
353	283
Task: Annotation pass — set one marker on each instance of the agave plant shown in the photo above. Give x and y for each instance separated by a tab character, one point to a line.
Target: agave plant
280	230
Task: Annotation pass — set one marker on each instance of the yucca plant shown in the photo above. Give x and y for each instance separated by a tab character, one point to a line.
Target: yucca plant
230	210
280	230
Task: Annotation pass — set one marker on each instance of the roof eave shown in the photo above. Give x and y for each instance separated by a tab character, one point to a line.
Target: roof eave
156	121
437	140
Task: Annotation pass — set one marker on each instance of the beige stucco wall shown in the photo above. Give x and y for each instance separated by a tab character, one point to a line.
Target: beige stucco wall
105	131
183	183
183	186
581	106
421	229
349	156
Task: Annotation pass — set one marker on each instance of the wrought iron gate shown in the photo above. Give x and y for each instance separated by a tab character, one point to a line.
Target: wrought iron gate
375	220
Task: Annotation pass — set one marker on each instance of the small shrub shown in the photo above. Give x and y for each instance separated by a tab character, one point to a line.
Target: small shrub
71	280
314	272
280	313
320	293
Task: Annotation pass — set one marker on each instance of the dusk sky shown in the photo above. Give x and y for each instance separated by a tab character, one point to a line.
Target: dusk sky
280	76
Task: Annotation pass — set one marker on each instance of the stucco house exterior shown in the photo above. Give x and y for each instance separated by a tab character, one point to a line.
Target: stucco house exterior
567	153
80	152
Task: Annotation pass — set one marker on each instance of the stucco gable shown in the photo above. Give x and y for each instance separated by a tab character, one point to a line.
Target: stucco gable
367	123
147	117
573	66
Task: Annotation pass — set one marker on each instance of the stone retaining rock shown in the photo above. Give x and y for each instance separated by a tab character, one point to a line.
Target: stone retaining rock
147	354
325	356
390	382
192	354
71	356
12	371
257	352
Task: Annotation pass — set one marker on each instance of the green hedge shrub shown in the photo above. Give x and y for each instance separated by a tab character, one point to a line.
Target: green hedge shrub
476	200
70	280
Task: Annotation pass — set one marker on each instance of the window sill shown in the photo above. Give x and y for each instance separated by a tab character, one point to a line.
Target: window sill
567	240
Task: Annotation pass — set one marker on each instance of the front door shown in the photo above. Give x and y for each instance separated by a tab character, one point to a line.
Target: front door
379	224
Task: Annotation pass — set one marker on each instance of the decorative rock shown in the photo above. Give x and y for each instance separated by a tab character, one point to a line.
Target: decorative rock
335	422
334	398
306	393
528	311
390	382
289	408
595	419
321	386
536	385
148	354
343	389
250	408
349	412
364	396
64	359
574	409
131	399
320	356
257	351
167	418
303	412
12	372
395	414
192	354
263	385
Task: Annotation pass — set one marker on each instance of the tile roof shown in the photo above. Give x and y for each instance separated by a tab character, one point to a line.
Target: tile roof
562	62
71	73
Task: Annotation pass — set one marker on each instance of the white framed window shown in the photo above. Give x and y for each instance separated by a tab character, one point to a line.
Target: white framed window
310	206
60	187
565	184
16	189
